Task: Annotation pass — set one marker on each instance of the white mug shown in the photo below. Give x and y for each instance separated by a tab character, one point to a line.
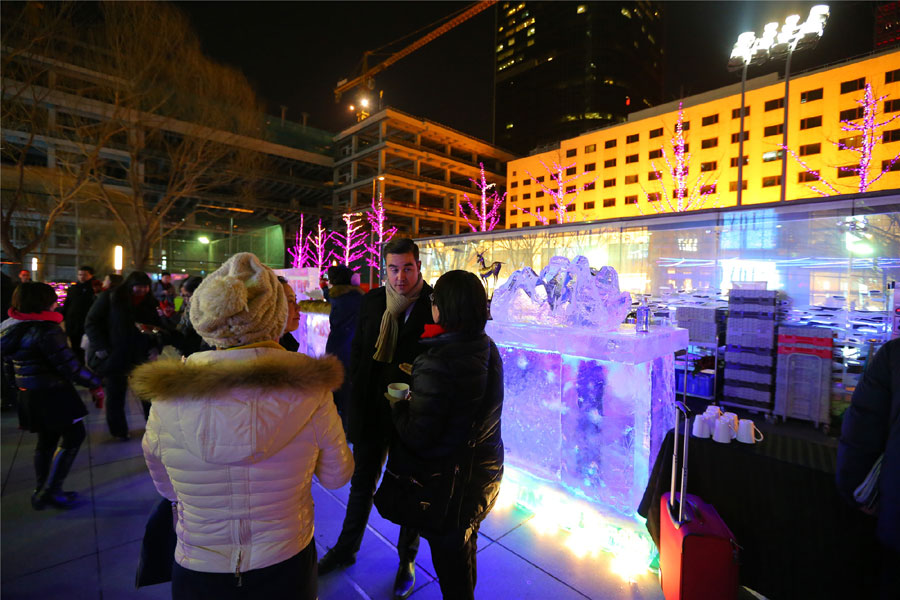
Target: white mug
748	432
701	427
732	420
398	390
712	411
724	431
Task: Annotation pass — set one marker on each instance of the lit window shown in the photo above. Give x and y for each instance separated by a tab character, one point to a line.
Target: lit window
509	125
581	8
626	13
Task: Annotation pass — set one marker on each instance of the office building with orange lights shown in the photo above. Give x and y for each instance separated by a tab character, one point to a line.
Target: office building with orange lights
633	169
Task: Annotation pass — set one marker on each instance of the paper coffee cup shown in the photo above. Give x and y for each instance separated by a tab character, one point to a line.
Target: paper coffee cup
398	390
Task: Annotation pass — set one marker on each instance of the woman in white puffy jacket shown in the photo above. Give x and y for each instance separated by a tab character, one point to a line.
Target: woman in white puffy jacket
234	438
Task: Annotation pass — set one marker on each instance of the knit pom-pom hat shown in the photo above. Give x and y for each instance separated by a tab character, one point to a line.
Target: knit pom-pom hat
242	302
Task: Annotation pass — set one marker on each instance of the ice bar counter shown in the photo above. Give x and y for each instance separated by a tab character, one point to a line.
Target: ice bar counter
587	399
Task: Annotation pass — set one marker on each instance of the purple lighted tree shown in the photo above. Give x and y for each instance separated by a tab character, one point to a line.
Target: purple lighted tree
683	198
299	251
317	244
486	211
863	144
351	244
377	219
560	206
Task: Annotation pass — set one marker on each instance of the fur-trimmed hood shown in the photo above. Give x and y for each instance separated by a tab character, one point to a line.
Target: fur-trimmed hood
206	373
237	406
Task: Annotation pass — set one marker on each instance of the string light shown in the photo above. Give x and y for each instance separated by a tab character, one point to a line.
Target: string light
683	199
317	244
377	218
869	128
487	217
351	243
560	207
299	251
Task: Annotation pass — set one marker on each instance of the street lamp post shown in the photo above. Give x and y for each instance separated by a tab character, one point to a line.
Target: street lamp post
775	44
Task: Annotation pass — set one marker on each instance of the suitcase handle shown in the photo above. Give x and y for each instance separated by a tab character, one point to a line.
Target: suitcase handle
680	408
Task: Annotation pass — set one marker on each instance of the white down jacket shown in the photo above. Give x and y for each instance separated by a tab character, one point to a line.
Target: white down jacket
235	436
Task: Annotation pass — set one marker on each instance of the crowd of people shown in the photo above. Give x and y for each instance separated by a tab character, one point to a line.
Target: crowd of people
240	422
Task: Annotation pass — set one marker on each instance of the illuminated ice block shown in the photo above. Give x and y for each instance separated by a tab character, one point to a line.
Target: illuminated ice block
587	409
312	333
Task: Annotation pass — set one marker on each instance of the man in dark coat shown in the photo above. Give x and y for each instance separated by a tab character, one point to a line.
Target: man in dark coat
79	298
391	321
345	300
871	429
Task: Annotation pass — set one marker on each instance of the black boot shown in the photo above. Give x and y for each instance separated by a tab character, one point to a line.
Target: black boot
405	580
42	460
335	560
62	462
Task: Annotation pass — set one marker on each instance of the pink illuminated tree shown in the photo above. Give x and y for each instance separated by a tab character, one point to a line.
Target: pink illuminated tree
351	243
684	197
487	211
317	244
560	207
377	219
868	130
299	251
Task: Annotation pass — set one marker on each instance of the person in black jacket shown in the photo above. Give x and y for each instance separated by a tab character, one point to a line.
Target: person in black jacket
871	429
34	347
79	298
120	329
455	403
345	300
187	340
391	320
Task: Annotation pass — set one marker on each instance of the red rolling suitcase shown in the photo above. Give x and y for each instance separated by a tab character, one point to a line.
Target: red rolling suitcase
698	555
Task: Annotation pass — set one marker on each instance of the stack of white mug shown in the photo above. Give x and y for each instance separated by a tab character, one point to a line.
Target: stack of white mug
724	427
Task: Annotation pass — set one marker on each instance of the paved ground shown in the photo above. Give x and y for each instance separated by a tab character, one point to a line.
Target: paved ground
91	551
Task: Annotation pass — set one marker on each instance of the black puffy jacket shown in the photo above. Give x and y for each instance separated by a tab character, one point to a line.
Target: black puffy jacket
40	356
459	379
872	427
111	326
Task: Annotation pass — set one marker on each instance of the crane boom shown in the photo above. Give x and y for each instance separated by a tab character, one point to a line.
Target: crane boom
370	72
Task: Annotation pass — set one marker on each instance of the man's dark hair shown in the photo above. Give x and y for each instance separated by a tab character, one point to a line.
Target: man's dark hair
462	302
164	273
402	246
191	283
87	268
33	297
115	279
123	293
340	275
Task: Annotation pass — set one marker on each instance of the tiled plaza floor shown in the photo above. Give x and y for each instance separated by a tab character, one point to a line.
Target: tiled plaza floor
91	551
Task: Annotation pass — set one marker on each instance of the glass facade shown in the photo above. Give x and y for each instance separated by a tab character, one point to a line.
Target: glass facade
840	253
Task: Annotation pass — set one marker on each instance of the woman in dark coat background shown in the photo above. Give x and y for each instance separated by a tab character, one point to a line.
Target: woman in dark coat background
457	382
119	329
44	367
345	300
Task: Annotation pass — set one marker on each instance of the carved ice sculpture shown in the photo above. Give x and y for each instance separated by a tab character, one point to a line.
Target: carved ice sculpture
564	294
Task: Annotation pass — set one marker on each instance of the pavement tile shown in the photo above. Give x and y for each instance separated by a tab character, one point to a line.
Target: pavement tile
124	495
503	574
35	540
73	580
117	570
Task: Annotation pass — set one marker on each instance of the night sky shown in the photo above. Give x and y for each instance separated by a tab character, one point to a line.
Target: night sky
294	53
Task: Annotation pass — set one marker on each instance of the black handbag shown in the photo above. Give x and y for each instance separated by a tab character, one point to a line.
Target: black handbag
158	546
419	493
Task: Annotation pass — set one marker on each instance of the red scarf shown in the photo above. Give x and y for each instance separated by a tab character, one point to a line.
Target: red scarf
47	315
432	331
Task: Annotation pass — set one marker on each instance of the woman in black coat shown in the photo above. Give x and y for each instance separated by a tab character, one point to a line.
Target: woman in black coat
36	350
455	402
120	329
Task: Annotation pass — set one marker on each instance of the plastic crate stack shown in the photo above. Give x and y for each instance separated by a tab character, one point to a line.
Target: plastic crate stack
803	379
704	323
749	380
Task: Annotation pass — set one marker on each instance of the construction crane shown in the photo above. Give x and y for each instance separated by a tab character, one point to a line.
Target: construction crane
366	79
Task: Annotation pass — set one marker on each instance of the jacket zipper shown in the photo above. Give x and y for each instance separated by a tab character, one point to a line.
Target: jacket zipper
237	569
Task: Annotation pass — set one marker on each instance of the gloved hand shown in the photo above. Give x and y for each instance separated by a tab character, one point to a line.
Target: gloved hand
98	395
